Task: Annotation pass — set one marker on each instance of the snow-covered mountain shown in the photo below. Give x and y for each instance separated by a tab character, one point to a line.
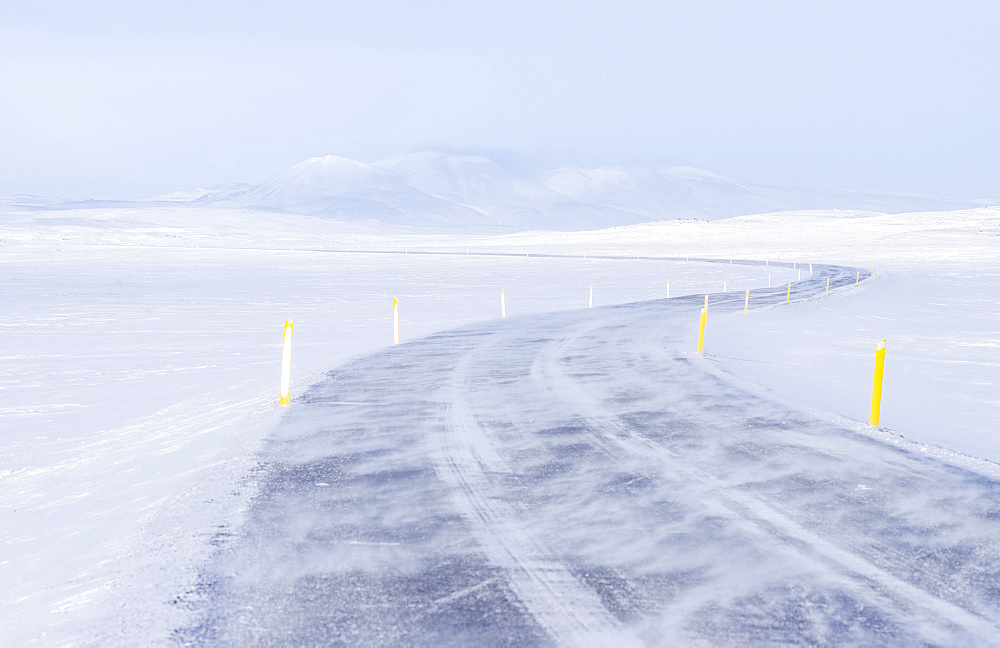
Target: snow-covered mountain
433	189
656	194
347	190
462	177
439	189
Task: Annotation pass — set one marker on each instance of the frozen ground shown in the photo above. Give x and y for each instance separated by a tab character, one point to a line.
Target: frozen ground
139	380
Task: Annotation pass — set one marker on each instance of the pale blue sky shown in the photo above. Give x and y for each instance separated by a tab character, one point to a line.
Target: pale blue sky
131	99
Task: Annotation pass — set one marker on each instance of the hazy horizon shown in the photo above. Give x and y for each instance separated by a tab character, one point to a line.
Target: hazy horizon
525	167
116	100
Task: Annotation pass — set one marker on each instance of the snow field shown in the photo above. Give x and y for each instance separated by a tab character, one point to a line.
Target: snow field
137	382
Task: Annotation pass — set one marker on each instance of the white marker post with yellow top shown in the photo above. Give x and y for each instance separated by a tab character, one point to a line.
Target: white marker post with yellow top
395	321
286	364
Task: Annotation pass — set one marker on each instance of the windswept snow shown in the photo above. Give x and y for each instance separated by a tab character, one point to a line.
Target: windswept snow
138	397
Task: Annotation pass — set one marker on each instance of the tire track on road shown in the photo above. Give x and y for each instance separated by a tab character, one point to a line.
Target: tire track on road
613	435
569	611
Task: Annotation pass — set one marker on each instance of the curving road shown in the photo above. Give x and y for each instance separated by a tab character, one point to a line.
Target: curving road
584	478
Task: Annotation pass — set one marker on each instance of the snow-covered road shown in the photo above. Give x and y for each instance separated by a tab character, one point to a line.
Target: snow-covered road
585	477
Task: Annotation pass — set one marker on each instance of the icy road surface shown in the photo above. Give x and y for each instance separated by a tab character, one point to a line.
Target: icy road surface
585	478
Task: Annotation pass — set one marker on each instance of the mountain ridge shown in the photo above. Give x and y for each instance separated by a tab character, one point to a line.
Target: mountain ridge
446	190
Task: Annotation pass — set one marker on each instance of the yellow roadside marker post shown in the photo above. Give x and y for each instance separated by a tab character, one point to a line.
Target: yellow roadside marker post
877	384
746	304
788	296
701	329
503	306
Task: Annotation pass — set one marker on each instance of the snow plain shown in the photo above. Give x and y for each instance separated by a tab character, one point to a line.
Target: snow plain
140	361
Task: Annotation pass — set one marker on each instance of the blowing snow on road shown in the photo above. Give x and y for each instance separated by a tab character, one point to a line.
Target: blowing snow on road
586	478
